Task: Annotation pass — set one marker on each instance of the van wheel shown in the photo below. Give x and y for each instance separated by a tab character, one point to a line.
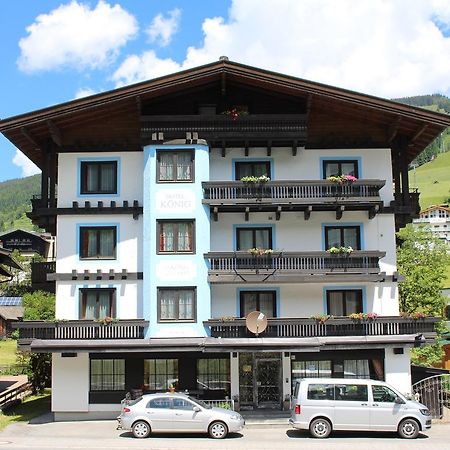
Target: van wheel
217	430
320	428
141	429
408	429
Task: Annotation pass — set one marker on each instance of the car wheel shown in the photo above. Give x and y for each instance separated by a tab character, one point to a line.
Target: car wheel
141	429
217	430
320	428
408	429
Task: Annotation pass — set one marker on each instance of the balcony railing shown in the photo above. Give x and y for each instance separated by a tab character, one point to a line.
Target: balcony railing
233	266
223	126
337	326
303	192
80	330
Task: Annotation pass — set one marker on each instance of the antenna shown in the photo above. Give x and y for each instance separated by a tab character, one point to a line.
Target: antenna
256	322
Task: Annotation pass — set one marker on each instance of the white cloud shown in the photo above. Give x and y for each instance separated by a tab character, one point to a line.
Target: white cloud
386	48
137	68
163	28
84	92
75	35
28	167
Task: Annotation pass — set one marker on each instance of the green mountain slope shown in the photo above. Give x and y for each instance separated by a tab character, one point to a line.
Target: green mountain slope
15	198
433	181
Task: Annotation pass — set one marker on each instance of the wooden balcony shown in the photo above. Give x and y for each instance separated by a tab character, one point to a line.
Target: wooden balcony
79	330
218	129
293	267
336	326
39	272
299	195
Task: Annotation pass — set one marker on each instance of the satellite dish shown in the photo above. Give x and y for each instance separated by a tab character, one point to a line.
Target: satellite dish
256	322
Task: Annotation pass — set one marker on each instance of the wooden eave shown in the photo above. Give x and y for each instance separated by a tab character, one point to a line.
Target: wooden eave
384	121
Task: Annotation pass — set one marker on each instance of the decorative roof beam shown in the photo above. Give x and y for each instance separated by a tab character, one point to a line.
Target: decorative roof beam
307	212
30	138
55	133
418	133
393	129
339	212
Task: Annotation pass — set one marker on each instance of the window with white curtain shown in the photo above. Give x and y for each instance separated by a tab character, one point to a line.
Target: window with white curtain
98	242
99	177
175	166
97	303
177	304
107	375
176	236
344	302
257	237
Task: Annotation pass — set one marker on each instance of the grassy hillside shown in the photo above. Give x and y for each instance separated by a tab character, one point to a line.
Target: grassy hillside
15	198
433	180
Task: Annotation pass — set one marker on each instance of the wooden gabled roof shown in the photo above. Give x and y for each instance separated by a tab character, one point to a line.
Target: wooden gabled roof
114	116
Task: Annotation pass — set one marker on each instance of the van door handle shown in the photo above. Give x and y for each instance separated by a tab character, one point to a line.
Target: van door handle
363	404
375	404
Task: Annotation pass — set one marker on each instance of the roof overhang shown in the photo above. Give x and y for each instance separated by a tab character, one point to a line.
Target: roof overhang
32	131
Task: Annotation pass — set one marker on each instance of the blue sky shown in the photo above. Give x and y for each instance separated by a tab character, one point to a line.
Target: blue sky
56	50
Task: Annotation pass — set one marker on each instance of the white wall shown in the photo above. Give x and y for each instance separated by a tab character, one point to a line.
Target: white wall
129	246
70	383
375	164
128	298
130	178
398	369
294	233
305	300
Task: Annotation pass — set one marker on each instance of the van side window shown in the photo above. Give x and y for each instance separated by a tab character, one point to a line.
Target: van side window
383	394
320	392
351	392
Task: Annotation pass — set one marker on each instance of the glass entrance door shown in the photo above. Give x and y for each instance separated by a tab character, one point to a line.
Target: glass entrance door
260	380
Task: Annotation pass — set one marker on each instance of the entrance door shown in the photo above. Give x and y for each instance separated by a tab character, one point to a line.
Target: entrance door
268	383
260	380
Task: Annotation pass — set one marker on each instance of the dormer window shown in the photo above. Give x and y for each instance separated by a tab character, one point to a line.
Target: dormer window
98	177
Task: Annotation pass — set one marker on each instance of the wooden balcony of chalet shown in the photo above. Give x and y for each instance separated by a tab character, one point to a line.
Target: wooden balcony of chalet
221	130
300	195
333	327
293	267
39	272
79	330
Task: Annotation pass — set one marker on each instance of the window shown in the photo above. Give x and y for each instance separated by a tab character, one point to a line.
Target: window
351	392
252	168
343	236
176	237
344	302
214	374
383	394
356	368
97	303
263	301
253	237
320	392
175	166
107	374
160	374
340	167
181	403
98	242
160	403
176	304
98	177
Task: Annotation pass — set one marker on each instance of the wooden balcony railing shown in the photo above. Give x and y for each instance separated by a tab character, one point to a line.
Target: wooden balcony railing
223	265
337	326
80	330
303	192
223	126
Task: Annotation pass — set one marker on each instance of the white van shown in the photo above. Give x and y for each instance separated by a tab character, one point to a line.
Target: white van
321	405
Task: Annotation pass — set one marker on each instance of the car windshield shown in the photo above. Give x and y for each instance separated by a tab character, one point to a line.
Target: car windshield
200	403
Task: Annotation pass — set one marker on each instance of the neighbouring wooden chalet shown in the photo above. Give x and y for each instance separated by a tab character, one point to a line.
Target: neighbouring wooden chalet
184	203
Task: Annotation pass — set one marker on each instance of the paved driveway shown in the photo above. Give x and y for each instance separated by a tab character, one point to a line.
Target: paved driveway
103	435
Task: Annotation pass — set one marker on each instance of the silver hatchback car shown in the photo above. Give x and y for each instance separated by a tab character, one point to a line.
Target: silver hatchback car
178	413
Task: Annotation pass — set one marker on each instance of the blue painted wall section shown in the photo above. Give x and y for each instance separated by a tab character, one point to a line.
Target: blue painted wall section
153	276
